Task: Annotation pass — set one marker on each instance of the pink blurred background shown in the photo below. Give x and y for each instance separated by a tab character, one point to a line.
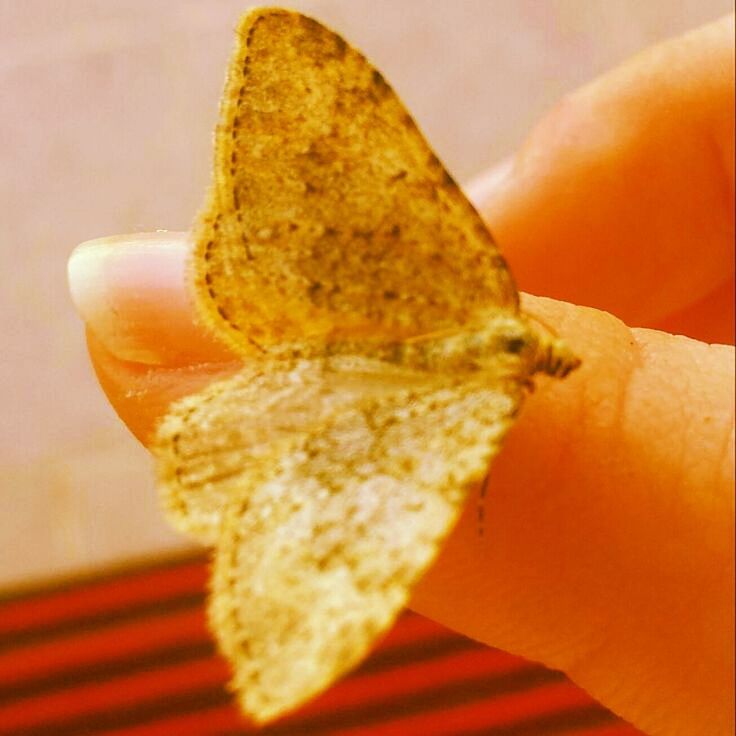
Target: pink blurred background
106	112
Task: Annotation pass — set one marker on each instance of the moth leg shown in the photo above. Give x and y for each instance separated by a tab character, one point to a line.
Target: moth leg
482	495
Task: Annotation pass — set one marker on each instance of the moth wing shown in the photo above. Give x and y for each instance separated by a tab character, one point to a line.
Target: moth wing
317	560
329	217
214	443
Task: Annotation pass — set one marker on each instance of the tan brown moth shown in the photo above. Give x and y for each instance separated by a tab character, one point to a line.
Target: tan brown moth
384	353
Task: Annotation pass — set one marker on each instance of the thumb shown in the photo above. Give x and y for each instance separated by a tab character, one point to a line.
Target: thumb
607	548
145	345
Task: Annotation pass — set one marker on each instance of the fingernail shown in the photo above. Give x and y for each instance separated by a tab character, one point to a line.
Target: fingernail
484	186
131	292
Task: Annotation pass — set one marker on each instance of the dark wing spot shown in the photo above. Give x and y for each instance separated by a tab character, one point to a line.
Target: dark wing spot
340	47
310	25
380	85
499	262
448	181
515	345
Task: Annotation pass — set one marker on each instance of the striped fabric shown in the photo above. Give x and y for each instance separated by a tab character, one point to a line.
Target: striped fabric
127	654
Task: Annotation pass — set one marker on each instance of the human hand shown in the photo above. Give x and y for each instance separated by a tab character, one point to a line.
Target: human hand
608	543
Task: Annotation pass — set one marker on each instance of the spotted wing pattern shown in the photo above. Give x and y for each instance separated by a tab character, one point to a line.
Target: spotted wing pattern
326	491
329	216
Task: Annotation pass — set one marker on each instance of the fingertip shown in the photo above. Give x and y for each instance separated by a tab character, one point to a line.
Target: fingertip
484	187
141	394
131	291
609	526
621	198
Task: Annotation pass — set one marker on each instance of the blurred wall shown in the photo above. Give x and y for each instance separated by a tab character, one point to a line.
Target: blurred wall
106	112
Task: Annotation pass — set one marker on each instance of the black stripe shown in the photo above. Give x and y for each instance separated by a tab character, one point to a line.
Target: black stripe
419	651
101	671
566	721
91	622
132	714
68	678
437	698
456	693
128	569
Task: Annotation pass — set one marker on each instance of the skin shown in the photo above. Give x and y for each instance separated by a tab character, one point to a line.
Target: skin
607	548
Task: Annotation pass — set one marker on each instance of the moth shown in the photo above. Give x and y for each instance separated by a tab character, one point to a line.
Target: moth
384	359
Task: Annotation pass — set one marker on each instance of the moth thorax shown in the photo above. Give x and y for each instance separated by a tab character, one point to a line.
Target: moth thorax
503	342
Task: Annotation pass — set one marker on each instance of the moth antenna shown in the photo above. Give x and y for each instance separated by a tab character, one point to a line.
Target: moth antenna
481	508
545	327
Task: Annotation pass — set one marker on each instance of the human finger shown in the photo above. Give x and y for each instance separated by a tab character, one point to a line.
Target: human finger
711	319
609	517
622	197
608	549
131	291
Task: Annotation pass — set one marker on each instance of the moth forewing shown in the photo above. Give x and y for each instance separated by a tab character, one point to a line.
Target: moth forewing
329	216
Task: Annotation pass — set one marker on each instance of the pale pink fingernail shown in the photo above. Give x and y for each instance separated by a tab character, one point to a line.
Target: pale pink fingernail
131	292
482	188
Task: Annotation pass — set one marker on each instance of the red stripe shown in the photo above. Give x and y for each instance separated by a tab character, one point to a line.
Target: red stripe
410	678
410	628
102	596
489	713
116	693
476	715
611	729
224	719
111	642
353	691
102	645
115	641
